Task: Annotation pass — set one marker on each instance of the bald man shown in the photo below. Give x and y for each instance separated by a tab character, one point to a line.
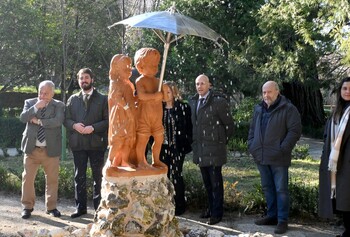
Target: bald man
274	131
212	128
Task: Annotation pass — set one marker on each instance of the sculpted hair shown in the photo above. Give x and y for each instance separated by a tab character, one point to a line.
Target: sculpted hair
118	63
146	54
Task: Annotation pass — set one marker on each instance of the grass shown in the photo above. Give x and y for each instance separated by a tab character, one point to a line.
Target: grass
240	169
241	183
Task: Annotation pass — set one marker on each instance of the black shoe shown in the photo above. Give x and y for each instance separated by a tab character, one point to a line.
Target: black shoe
281	228
78	213
54	212
266	221
179	212
214	220
205	214
26	213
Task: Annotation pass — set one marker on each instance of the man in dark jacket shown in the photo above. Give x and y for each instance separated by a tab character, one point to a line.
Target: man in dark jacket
274	131
212	128
87	125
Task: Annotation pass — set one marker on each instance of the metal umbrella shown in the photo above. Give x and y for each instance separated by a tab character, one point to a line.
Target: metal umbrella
173	23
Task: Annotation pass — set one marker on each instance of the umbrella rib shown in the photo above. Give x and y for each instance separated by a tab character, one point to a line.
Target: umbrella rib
159	34
177	38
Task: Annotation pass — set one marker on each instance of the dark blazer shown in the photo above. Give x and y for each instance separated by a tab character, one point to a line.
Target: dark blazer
52	122
213	126
96	114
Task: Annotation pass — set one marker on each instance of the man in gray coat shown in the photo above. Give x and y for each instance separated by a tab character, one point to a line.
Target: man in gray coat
212	128
274	131
41	144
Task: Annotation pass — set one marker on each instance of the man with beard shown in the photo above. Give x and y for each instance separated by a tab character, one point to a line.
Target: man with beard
87	125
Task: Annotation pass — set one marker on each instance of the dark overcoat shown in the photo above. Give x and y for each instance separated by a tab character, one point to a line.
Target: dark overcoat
283	130
212	128
342	203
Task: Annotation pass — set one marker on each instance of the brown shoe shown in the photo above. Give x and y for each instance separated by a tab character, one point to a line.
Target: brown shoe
281	228
266	221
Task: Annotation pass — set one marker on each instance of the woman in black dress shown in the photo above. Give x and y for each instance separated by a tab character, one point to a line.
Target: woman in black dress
177	140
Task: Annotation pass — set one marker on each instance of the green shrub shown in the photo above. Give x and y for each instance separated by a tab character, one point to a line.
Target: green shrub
304	198
11	132
242	115
301	152
195	192
244	111
253	201
232	196
11	112
9	181
66	181
12	177
238	144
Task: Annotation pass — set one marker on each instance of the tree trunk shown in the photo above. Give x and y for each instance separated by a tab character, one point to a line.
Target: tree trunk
309	102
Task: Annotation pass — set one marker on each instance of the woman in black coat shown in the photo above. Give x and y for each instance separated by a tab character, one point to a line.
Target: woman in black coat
177	140
334	173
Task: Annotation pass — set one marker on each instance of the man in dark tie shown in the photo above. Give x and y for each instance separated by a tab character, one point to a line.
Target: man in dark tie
87	125
212	128
41	144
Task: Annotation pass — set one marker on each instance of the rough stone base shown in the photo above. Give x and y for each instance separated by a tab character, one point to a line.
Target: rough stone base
136	206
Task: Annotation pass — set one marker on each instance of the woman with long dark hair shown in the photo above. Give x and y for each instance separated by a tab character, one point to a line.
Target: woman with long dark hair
334	175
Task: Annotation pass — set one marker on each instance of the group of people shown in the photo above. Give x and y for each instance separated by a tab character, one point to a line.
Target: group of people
203	125
86	118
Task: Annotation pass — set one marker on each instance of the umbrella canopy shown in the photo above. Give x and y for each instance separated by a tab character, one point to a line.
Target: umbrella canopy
173	23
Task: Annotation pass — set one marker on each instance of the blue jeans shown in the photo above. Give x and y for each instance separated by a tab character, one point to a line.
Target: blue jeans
274	182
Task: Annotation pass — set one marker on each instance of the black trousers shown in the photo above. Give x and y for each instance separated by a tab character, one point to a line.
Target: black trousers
346	220
175	160
81	159
213	182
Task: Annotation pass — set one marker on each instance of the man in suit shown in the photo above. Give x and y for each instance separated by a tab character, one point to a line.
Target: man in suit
212	128
41	144
87	125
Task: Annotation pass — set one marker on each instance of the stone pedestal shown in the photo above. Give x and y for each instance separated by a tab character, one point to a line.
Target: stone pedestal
136	206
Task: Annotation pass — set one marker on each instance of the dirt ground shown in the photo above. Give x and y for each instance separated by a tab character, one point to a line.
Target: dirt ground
233	224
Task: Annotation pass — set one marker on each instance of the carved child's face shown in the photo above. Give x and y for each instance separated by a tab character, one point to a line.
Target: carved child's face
124	68
149	68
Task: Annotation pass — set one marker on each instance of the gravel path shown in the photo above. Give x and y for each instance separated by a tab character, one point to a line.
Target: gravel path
232	224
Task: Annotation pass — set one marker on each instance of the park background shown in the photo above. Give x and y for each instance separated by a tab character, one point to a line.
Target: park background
303	45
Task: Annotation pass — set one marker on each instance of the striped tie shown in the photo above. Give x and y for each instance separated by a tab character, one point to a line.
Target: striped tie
41	131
